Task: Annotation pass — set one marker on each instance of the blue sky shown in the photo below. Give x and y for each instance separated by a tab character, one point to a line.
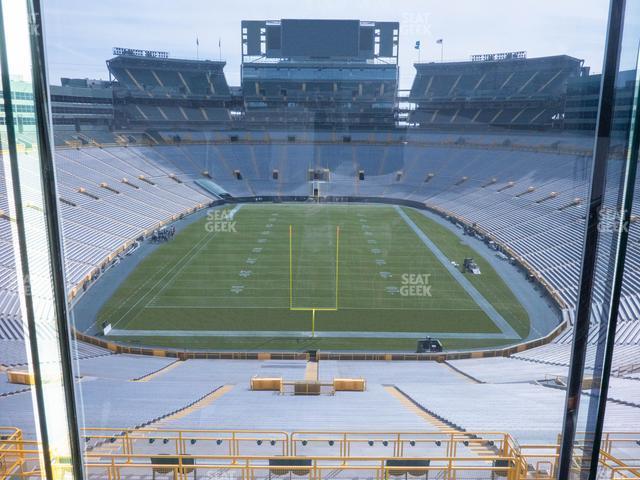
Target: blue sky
80	34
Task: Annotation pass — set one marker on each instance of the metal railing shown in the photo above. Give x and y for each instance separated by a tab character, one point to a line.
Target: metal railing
186	454
18	457
186	441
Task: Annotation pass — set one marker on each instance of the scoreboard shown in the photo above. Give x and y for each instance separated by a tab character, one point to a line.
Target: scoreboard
320	38
300	39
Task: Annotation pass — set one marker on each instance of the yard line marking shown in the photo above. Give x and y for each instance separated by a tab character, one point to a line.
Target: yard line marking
355	251
177	272
199	245
142	286
271	297
316	268
144	295
482	302
302	334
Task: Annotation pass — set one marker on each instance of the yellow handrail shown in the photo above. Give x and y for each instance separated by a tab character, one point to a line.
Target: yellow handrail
494	453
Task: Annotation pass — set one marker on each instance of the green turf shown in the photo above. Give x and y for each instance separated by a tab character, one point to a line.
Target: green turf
276	344
192	282
489	283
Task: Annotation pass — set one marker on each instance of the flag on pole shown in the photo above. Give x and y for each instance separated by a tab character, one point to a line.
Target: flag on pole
439	41
417	47
219	42
197	41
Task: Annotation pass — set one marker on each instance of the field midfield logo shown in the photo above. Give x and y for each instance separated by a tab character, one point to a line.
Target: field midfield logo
220	221
415	285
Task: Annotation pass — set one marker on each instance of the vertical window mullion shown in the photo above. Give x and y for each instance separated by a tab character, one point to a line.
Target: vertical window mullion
32	199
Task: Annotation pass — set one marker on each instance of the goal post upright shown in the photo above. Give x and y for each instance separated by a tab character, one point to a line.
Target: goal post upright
337	261
290	267
313	310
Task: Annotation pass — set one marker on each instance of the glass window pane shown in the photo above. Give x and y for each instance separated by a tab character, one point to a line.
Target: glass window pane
343	230
33	413
620	450
14	349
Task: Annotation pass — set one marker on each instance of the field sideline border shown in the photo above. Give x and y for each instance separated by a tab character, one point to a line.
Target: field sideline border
255	355
453	355
507	330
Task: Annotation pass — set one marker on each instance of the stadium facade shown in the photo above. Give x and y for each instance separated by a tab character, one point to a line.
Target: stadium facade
510	92
149	93
349	84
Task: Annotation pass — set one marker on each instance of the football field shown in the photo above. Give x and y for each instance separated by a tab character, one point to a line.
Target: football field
359	275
